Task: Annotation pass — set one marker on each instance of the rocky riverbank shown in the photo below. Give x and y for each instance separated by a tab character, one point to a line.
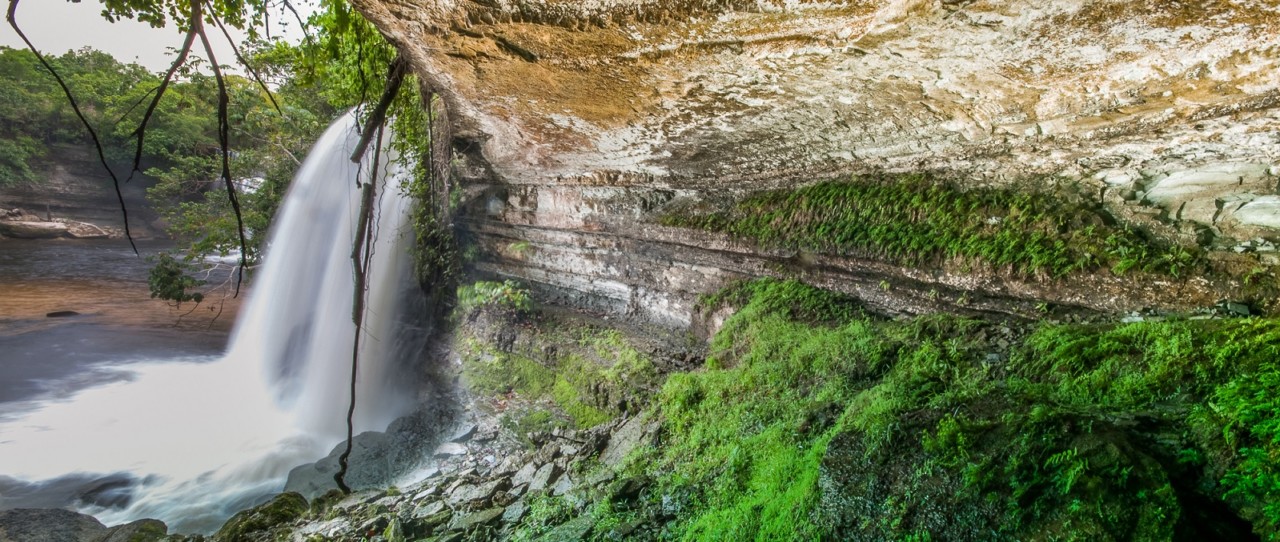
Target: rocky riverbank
23	224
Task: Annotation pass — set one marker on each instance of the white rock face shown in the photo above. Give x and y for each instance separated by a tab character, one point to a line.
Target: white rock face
578	122
1264	211
741	93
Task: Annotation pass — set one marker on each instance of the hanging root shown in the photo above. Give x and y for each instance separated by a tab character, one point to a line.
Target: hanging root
395	76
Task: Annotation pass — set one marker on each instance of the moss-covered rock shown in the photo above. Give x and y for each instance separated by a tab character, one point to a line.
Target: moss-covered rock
587	373
259	523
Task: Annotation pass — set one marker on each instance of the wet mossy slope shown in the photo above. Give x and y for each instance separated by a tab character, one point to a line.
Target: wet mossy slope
812	420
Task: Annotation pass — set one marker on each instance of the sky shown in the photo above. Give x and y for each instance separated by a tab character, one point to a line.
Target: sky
57	26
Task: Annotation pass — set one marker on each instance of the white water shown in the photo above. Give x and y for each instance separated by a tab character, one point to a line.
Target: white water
208	437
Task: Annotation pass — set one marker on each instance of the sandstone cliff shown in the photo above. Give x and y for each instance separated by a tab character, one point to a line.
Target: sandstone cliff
576	124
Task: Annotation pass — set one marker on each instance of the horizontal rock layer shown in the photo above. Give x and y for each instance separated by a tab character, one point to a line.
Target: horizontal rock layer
576	121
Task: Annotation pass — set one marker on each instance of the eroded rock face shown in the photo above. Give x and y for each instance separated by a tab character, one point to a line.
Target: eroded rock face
576	121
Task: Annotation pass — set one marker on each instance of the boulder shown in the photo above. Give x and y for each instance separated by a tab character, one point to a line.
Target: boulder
467	495
478	519
524	475
450	449
143	530
48	525
624	440
33	230
545	477
1263	211
280	510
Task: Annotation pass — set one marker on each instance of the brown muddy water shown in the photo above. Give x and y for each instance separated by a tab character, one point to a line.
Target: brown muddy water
115	322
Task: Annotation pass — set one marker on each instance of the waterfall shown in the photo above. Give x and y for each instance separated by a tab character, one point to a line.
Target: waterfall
191	441
297	324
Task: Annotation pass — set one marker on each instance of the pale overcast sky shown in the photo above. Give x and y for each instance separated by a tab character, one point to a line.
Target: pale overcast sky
57	26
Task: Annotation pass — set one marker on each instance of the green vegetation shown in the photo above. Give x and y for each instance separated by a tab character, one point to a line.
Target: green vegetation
252	524
590	376
505	295
180	153
342	63
813	421
171	280
916	219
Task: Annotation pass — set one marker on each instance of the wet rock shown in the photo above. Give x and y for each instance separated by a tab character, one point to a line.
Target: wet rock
544	477
357	499
143	530
575	529
61	314
449	537
429	509
563	486
373	526
515	512
468	495
478	519
450	449
389	502
394	531
377	458
48	525
463	433
630	435
524	475
428	524
282	509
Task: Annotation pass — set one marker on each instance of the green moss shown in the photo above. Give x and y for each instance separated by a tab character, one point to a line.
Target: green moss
487	370
915	219
591	375
570	399
1086	433
506	295
275	514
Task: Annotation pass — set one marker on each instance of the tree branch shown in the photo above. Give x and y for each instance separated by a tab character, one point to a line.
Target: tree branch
11	16
395	75
224	141
245	63
187	42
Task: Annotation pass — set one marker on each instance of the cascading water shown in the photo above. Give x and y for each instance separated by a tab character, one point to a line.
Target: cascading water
192	441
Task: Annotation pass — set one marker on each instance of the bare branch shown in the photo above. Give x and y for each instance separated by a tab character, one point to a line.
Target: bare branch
185	50
239	57
135	105
11	16
224	140
302	24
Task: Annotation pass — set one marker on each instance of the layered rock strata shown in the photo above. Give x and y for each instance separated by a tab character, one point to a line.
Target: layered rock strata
575	123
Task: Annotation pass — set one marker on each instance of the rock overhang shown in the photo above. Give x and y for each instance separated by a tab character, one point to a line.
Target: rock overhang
579	122
700	92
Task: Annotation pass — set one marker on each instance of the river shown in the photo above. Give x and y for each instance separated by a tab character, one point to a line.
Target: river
117	323
80	393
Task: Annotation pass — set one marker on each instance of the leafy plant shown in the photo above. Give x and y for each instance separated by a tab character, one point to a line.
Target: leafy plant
918	218
170	279
507	295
